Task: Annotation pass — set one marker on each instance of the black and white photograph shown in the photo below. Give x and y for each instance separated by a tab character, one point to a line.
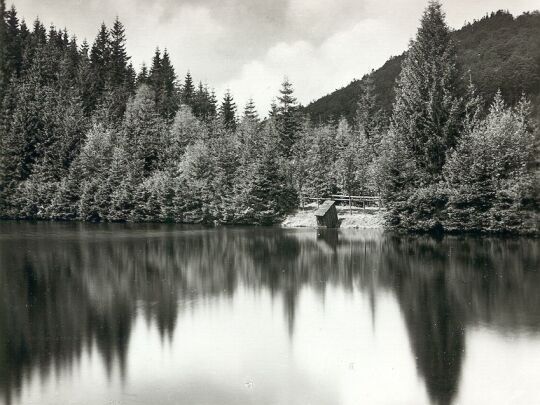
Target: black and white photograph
269	202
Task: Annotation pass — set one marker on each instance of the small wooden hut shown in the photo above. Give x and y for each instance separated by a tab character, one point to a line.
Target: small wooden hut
326	215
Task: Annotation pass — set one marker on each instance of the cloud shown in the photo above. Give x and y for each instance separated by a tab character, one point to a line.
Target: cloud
316	70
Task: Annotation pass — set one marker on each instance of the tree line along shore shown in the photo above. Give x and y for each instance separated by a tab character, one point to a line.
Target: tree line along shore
85	136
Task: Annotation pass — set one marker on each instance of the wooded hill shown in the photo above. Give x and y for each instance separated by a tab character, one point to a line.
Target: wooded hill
499	51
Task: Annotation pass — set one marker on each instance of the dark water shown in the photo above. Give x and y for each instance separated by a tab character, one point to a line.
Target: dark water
119	314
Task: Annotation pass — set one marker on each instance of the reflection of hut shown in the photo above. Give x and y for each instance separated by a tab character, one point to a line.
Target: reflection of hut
330	237
327	215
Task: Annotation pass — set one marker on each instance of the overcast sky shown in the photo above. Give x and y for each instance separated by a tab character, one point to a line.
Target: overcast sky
249	45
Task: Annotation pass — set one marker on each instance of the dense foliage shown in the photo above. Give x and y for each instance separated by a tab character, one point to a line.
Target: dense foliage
446	167
83	136
499	51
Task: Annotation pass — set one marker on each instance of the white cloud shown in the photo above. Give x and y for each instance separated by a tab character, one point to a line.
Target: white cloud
316	70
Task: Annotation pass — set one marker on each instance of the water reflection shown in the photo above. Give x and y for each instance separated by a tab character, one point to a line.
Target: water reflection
71	289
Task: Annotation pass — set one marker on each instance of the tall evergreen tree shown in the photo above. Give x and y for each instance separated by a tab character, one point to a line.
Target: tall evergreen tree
142	77
250	111
427	110
267	194
119	59
369	116
100	57
166	93
287	117
227	112
143	133
188	90
154	75
3	50
14	45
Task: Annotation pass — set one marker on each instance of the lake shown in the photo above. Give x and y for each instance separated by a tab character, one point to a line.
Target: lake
169	314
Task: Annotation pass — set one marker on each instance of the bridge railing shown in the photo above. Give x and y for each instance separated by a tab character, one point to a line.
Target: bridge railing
364	200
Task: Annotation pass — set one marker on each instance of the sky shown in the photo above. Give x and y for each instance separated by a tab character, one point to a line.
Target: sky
249	46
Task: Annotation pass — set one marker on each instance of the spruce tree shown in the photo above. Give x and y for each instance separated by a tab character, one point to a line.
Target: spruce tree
167	97
154	76
100	57
204	103
212	105
188	90
142	77
250	111
85	78
118	65
13	46
427	111
369	116
287	117
3	50
185	130
227	112
143	133
268	194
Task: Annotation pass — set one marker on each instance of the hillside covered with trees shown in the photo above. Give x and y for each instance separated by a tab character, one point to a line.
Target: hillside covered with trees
499	51
84	136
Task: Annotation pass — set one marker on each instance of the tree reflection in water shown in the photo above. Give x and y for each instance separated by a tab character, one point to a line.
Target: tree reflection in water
66	288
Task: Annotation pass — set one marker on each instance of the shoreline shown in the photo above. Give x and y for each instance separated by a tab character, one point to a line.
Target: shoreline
368	218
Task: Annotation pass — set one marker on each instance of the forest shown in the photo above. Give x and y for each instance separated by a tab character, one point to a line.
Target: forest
85	136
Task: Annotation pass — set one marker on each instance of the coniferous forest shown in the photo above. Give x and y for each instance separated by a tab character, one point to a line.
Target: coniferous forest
86	136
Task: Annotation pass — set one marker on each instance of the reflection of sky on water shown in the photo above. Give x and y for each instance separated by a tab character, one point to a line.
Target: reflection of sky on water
267	317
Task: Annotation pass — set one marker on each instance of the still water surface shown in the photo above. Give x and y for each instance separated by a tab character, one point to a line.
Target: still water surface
155	314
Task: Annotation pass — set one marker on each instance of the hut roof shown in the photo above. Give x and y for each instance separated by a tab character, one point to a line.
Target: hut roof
324	208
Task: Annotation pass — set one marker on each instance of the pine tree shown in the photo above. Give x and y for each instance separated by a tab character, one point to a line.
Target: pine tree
69	65
185	130
100	57
473	108
427	111
250	111
85	79
287	117
154	76
167	97
131	79
352	160
369	116
212	106
93	165
188	90
142	77
39	33
320	157
3	50
204	103
227	112
143	133
14	46
273	112
267	195
118	65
